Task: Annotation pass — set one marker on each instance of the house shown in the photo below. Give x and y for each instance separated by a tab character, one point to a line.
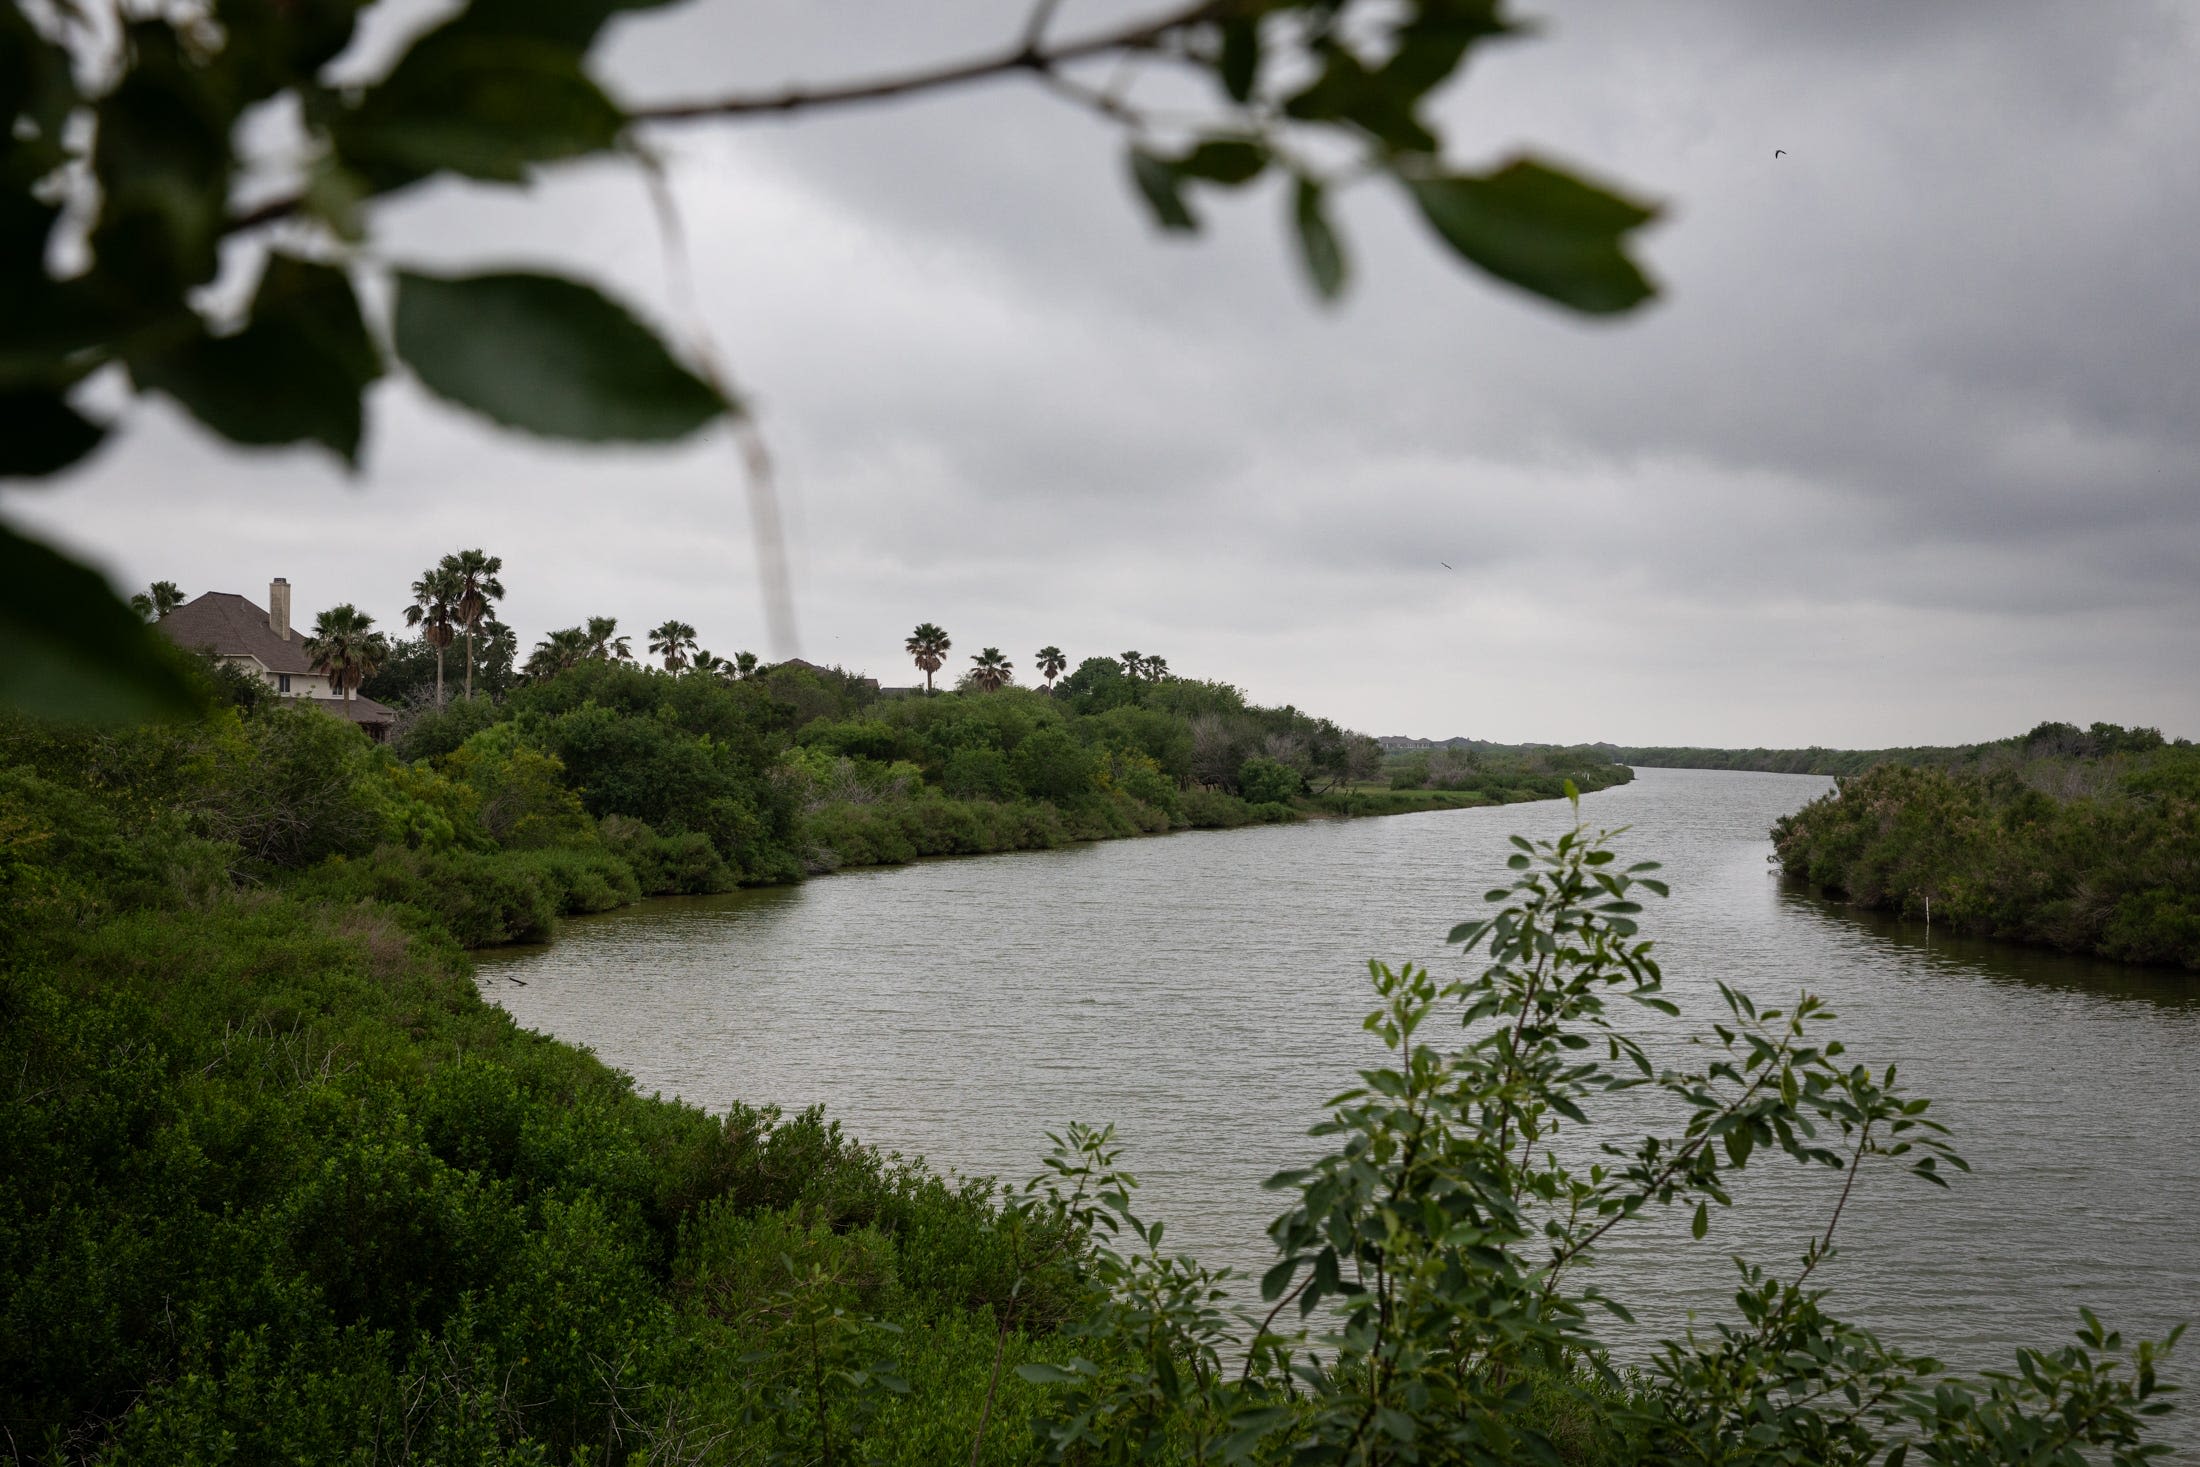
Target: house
263	643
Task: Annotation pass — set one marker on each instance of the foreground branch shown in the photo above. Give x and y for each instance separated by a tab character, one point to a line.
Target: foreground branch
1026	56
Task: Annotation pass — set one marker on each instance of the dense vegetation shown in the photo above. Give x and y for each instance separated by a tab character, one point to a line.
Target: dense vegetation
2061	739
792	768
281	1187
2084	840
1500	774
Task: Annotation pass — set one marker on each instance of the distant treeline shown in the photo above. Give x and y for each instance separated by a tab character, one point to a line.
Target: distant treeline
2064	740
1501	773
2086	840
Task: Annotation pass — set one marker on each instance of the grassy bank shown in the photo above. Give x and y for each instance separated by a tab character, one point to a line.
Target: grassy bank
2085	843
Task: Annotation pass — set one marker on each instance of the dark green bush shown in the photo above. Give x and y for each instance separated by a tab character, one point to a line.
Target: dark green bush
1263	781
686	864
1215	810
2113	871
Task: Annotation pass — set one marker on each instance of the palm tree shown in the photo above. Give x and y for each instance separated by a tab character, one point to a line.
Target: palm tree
345	647
675	642
1133	664
561	651
157	600
991	669
710	664
604	642
744	664
929	646
475	572
435	612
1050	662
1154	669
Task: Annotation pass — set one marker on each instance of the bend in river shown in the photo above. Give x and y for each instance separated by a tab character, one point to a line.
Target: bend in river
1204	992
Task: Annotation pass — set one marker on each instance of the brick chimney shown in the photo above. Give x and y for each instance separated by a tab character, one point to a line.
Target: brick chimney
278	607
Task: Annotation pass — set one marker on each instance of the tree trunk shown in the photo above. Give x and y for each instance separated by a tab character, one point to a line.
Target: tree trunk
439	677
469	664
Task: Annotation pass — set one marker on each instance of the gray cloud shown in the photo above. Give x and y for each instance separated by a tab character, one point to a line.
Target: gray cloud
1910	451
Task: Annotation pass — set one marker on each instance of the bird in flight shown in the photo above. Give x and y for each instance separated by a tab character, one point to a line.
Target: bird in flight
1445	564
1779	152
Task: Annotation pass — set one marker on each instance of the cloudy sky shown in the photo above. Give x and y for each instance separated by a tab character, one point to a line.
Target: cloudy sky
1908	452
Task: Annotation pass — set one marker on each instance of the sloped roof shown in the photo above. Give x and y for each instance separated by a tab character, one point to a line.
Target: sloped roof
234	627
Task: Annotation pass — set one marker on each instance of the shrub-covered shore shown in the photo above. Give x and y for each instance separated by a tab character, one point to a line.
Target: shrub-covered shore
2059	740
283	1188
700	783
2083	840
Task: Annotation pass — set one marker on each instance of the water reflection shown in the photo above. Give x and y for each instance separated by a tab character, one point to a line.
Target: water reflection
1939	950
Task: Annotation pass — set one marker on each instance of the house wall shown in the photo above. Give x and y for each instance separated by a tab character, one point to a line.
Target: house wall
302	684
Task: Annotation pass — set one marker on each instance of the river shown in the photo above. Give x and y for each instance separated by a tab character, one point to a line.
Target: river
1204	992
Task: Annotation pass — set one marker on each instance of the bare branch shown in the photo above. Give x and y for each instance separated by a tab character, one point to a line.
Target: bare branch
1026	56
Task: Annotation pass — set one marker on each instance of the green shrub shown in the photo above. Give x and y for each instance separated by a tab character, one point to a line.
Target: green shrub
482	899
686	864
1263	781
430	733
1050	765
1214	810
979	774
521	798
2110	872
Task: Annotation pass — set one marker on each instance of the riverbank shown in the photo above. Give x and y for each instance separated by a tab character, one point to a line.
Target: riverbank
2090	852
697	784
280	1179
891	833
278	1173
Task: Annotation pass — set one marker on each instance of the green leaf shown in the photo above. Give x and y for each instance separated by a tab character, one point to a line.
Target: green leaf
54	328
1542	230
1227	161
162	159
1320	250
74	650
37	93
317	302
40	433
1040	1373
296	372
274	44
1239	67
478	105
1162	189
548	355
1702	1224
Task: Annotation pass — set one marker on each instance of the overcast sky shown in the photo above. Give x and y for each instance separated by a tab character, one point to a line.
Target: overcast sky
1908	452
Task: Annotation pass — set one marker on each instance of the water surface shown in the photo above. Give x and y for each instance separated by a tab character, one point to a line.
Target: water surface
1204	992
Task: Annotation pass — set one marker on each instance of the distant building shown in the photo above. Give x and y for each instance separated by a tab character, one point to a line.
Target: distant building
263	643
